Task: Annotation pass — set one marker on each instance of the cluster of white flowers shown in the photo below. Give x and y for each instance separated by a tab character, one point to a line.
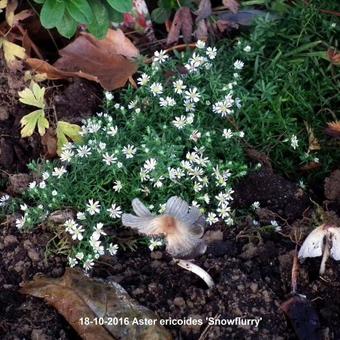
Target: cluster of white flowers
125	165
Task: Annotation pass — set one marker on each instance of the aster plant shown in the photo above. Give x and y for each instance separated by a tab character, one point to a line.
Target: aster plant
175	135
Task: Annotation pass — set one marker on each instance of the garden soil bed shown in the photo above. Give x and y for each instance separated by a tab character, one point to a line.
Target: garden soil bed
252	275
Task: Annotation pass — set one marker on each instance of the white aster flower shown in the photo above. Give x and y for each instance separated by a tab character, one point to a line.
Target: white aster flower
112	131
238	65
42	185
77	233
23	207
81	216
115	211
150	164
70	224
294	142
189	106
195	135
200	44
102	146
191	66
227	133
109	159
247	49
132	104
108	95
112	249
154	243
159	183
32	185
54	193
179	86
79	255
192	95
58	172
117	186
171	101
160	56
255	205
93	207
20	222
180	122
72	262
211	52
88	264
84	151
4	199
66	155
143	79
156	88
129	151
45	175
98	230
212	218
224	211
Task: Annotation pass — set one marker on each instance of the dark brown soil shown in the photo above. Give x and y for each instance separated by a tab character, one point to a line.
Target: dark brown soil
251	270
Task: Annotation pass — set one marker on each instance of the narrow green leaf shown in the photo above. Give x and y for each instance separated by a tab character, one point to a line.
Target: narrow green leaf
122	6
80	11
52	13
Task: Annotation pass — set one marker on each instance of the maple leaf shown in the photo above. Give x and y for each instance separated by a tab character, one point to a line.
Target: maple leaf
3	4
12	51
33	119
67	130
33	96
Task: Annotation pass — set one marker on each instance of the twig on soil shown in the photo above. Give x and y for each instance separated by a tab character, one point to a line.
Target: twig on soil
206	329
295	271
196	270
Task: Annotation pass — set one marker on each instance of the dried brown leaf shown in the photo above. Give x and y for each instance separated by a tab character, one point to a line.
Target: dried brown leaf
49	141
201	32
204	10
333	129
53	73
104	59
314	144
232	5
182	23
77	296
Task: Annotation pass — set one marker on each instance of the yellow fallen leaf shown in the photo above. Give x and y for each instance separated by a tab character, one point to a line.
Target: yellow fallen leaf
67	130
12	52
31	121
3	4
11	7
33	96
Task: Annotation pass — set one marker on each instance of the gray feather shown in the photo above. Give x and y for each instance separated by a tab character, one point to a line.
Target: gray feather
176	207
139	208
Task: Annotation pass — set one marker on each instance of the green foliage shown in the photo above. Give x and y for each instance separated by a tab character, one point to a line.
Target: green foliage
166	7
291	82
152	146
66	15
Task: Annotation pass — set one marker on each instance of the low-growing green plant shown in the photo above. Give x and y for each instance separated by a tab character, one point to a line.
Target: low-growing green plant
293	89
67	15
174	135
